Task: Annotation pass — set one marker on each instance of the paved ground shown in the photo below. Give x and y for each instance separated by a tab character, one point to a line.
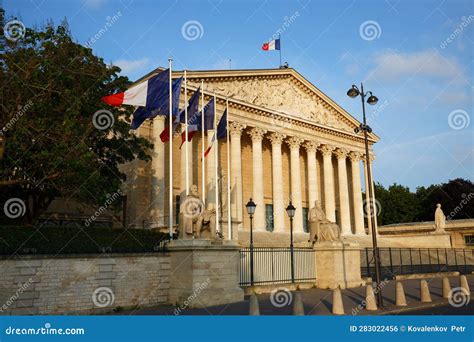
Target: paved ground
319	302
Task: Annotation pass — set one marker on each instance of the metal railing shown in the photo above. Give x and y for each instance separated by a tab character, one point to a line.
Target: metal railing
398	261
272	265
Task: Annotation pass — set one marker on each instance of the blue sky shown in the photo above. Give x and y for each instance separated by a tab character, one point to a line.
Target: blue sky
416	56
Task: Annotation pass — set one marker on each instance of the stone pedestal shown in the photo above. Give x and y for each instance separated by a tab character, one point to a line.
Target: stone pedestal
337	265
204	273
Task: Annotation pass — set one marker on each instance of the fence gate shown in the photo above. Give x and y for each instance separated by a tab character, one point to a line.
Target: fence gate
272	265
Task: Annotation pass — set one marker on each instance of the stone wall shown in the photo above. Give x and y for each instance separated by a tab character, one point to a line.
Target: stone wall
82	284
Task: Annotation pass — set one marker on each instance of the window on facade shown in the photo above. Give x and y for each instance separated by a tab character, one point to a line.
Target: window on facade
269	217
305	220
469	239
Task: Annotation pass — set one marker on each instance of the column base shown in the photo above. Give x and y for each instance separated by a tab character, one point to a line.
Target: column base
204	273
337	265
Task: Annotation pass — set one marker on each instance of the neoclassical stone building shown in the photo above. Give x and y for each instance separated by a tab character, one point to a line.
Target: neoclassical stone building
288	140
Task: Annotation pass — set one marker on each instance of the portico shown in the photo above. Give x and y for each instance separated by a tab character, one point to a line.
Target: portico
288	140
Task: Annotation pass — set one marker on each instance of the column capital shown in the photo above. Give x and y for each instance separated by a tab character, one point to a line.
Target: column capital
355	156
311	146
371	157
257	133
326	150
236	128
294	142
276	138
341	153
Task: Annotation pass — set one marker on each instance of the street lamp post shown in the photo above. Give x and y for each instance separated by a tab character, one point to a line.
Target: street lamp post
251	210
372	100
290	210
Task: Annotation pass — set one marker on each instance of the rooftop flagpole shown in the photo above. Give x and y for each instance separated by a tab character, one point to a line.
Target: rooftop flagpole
170	124
229	216
203	172
186	132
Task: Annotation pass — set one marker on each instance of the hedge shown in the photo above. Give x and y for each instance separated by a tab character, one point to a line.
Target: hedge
75	240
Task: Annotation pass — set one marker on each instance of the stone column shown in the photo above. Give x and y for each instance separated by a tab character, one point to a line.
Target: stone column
157	210
329	200
277	174
357	193
344	205
256	134
235	130
311	147
294	144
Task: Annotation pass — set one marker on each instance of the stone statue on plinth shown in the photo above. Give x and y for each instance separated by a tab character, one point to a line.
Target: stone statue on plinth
321	229
190	212
440	219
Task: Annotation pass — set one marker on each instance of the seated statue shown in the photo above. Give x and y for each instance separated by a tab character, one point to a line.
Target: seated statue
321	229
207	223
190	212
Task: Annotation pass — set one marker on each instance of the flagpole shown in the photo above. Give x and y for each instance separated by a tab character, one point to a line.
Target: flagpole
216	163
170	61
203	172
229	217
186	131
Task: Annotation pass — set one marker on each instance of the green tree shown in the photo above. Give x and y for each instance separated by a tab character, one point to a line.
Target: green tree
50	89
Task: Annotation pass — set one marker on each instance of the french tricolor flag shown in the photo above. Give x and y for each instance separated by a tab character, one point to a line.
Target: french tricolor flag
141	94
271	45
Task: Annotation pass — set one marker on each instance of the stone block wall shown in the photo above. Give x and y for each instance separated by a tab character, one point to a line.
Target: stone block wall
82	284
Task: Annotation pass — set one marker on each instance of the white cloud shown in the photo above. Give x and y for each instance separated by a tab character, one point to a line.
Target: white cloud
94	4
130	66
393	66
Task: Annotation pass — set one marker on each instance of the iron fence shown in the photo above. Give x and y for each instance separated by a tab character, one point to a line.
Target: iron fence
272	265
397	261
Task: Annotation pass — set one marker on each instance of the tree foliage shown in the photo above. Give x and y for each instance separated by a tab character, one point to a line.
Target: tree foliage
399	205
50	89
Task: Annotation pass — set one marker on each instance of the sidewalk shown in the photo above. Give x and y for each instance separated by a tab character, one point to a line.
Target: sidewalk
319	301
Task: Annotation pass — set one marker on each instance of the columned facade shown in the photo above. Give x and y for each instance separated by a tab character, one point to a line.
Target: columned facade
266	109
